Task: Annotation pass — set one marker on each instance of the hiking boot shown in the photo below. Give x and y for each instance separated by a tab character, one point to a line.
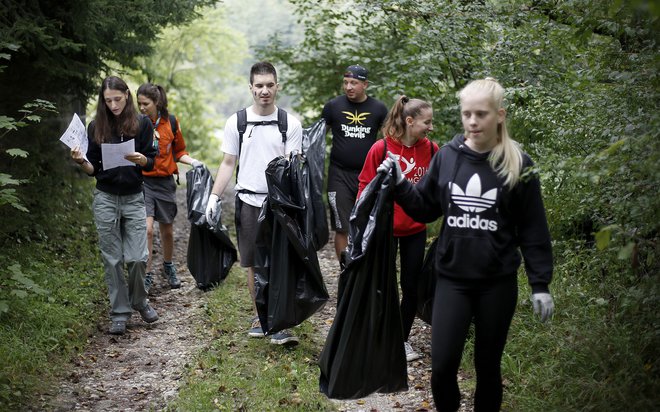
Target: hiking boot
148	281
284	337
148	314
255	330
411	355
170	273
117	327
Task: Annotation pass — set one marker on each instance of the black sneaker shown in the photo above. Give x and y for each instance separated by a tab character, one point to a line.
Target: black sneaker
148	314
284	337
148	281
117	327
170	273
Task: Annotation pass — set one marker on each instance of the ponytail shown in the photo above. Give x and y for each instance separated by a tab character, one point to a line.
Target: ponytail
157	94
395	122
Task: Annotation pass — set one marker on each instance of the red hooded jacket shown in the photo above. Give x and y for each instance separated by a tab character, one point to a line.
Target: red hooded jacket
414	161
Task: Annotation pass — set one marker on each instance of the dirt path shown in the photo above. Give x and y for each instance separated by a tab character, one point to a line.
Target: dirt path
141	369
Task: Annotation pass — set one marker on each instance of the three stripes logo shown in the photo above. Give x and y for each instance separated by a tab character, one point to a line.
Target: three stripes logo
472	200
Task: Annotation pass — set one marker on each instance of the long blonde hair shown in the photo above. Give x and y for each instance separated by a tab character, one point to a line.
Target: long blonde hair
506	157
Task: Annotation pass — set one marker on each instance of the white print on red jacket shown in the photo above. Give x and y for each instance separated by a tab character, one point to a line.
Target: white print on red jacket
411	166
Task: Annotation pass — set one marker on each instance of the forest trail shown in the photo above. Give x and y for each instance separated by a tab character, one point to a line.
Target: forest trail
141	370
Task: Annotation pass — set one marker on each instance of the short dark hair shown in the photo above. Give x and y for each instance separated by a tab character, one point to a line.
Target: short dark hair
262	68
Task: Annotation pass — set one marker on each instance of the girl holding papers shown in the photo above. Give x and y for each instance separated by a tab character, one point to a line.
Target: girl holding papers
118	204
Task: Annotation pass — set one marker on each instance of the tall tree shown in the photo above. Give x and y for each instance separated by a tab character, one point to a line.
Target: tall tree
57	51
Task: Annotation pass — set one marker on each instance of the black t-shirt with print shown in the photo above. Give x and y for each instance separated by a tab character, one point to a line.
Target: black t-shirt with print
354	127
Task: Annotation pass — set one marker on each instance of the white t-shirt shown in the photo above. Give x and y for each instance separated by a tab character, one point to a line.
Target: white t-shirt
261	144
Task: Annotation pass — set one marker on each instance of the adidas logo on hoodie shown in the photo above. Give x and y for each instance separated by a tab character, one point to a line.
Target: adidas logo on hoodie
472	200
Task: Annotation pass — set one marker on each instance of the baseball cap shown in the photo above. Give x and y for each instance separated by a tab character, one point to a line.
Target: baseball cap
356	72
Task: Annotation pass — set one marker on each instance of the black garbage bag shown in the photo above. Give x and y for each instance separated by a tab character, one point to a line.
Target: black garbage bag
426	285
313	146
211	253
364	350
199	183
289	286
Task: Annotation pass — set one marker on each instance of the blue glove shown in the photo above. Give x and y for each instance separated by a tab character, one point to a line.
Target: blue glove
543	305
391	163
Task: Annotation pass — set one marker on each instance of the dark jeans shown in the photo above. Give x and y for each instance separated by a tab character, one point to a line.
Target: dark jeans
491	304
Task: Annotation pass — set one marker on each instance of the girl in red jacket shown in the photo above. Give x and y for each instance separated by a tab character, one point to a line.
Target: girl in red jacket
159	184
405	130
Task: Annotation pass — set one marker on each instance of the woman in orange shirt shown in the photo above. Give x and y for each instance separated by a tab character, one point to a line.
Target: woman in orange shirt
159	184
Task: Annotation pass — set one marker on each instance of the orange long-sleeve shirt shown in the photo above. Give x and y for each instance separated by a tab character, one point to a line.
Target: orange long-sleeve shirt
170	148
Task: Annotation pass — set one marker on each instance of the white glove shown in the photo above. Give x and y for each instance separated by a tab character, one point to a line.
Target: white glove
543	305
391	163
213	207
196	163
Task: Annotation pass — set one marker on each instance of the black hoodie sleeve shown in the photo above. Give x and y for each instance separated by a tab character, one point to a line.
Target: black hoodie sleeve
533	232
93	150
423	201
144	142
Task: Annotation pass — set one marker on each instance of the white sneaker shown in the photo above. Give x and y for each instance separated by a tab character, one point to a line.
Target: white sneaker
411	355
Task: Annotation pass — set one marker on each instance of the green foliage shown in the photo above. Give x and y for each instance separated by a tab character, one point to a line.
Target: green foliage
599	352
51	293
191	66
582	92
67	44
29	115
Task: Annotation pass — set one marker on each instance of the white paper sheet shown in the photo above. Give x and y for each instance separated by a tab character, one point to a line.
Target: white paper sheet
112	154
75	135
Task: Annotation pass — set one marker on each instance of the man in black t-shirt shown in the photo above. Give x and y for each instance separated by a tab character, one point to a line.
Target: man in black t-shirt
355	120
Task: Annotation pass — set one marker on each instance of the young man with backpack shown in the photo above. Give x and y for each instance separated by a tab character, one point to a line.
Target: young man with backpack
252	138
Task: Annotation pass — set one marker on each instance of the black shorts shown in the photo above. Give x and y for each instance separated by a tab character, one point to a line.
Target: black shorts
247	217
342	192
162	211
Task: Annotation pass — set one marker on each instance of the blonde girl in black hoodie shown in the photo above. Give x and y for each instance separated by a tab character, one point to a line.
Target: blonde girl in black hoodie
481	183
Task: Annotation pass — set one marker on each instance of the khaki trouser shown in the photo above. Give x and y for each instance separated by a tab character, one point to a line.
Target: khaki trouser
122	229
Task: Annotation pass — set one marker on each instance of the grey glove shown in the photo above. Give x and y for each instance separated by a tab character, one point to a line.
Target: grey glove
391	163
543	305
196	163
213	207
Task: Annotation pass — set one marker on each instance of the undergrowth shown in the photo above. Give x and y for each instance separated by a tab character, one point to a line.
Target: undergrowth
51	294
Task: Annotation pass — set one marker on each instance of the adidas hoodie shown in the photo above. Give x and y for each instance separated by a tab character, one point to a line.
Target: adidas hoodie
486	225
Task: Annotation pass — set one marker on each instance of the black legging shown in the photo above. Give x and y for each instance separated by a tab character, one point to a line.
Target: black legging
491	303
411	258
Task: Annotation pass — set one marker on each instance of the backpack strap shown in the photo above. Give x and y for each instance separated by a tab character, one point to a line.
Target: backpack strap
241	125
282	123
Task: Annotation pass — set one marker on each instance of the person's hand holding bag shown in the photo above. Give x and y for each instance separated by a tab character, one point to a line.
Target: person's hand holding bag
392	163
543	305
213	207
